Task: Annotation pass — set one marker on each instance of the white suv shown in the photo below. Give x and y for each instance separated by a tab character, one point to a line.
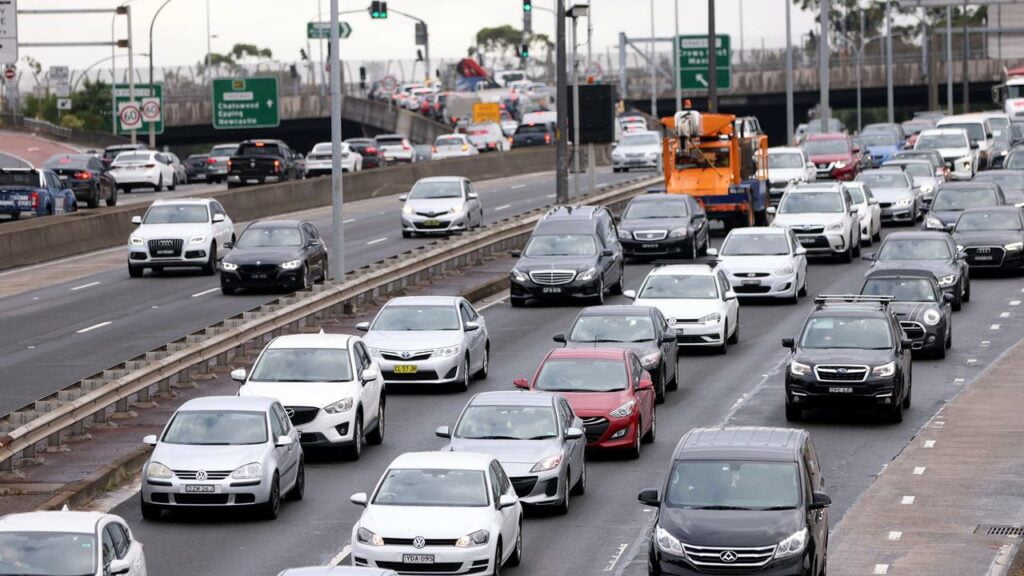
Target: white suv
329	385
179	233
824	218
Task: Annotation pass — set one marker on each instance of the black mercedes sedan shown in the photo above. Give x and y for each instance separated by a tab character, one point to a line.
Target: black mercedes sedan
921	307
932	251
992	238
288	254
664	225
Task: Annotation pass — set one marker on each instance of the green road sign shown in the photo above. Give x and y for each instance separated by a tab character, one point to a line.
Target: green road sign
121	92
245	103
322	30
693	62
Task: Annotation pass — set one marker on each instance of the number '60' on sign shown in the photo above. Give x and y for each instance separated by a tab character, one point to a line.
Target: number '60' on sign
130	115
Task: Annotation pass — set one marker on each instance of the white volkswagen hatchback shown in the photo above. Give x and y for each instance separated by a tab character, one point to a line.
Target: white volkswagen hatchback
329	385
81	543
440	513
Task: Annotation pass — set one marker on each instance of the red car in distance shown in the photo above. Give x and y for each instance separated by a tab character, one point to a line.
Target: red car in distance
607	388
834	155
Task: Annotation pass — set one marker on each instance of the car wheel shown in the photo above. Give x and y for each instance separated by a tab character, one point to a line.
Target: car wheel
174	183
794	413
846	255
562	508
355	451
135	271
895	412
485	365
967	291
210	268
463	384
616	288
949	338
406	234
581	485
910	392
673	384
517	302
958	301
517	554
735	338
272	508
307	279
634	450
94	200
159	184
325	272
649	437
376	436
299	490
599	299
227	290
660	385
803	288
112	200
856	249
693	249
878	235
149	511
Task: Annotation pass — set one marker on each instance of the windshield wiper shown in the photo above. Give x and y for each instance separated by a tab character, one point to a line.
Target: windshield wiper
543	437
771	508
598	340
493	438
720	507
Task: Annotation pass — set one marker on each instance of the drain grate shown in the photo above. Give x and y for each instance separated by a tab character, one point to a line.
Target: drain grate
1000	530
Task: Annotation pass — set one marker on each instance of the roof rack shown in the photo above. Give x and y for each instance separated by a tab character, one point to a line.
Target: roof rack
880	302
707	261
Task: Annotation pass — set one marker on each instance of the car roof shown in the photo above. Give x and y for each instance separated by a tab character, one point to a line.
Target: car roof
960	118
563	213
758	230
438	459
1003	208
741	442
173	201
785	150
253	403
899	273
514	397
918	234
827	136
615	310
968	185
379	136
276	224
642	132
52	521
985	174
442	178
943	131
683	270
590	353
424	301
660	197
262	141
321	340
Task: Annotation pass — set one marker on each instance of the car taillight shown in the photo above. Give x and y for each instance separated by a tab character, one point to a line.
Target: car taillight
509	139
277	165
465	147
229	164
371	150
405	146
83	175
547	138
434	149
211	161
34	197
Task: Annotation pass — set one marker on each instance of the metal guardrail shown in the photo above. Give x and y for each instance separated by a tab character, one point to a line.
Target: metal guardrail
65	415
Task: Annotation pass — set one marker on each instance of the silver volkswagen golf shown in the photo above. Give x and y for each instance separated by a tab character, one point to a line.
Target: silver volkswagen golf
224	451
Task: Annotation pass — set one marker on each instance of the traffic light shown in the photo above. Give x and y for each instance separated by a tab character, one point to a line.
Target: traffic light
362	77
302	53
524	51
378	10
527	5
419	55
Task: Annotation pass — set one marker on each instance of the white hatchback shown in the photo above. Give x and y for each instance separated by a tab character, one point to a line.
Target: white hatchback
453	146
764	261
143	169
81	543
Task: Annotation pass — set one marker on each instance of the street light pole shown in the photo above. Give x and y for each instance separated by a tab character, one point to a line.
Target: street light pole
888	61
561	109
675	59
209	52
949	58
131	67
790	128
575	115
860	62
152	82
712	60
654	69
823	70
337	191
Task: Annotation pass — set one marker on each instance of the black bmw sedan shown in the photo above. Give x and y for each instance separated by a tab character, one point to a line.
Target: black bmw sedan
288	254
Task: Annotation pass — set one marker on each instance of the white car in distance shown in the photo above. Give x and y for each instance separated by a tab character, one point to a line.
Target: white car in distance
65	542
453	146
143	169
868	211
788	166
764	262
319	161
329	385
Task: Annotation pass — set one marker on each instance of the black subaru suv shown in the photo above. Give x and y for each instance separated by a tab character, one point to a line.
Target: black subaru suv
920	305
741	500
851	350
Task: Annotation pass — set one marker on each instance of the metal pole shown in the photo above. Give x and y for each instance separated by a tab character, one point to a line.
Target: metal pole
739	4
209	51
591	161
790	128
823	70
426	52
654	69
949	58
152	82
967	55
575	116
888	61
860	63
113	77
675	59
712	60
337	192
131	68
561	107
622	65
320	48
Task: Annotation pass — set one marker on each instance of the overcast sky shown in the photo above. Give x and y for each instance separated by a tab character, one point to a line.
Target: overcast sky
180	33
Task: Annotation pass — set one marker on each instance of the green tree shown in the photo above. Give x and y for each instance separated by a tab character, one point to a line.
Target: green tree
499	45
90	105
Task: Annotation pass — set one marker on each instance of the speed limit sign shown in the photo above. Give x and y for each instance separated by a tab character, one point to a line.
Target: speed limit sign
130	115
150	109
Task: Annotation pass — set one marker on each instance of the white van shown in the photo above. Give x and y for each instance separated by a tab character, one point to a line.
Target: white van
979	131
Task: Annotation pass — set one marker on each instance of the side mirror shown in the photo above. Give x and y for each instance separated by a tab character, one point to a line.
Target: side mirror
800	251
229	245
560	338
668	336
507	501
856	150
149	440
515	253
359	499
573	433
712	251
947	297
118	566
974	146
645	382
873	202
443	432
906	342
730	295
788	343
649	498
853	211
473	196
631	294
403	197
363	326
521	383
238	375
820	501
218	218
870	257
771	210
472	326
607	252
810	166
369	375
136	220
283	441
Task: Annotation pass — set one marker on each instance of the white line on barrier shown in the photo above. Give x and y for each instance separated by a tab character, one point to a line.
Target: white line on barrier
895	535
83	286
919	470
881	569
94	326
517	187
377	241
929	443
204	292
349	221
1014	302
907	500
552	196
958	381
340	556
994	327
1004	314
503	207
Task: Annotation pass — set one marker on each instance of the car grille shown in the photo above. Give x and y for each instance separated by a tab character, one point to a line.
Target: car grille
404	568
406	356
257	268
835	373
913	330
595	427
210	474
166	247
884	205
650	234
301	414
552	277
732	559
427	541
752	274
741	289
420	375
429	214
813	241
684	339
808	229
524	485
199	499
684	320
824	166
424	226
985	255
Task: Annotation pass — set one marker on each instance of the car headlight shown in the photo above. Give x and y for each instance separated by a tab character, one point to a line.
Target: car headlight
197	239
799	368
159	471
652	154
549	463
793	545
947	280
931	317
375	352
291	264
616	155
518	276
679	233
835	227
407	210
927	188
934	223
228	266
343	405
840	165
884	371
588	274
965	162
667	542
903	203
455	210
136	241
251	471
785	270
651	360
364	536
625	235
478	538
710	318
624	410
1013	246
446	351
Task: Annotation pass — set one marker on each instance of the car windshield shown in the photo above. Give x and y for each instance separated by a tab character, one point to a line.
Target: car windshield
133	157
885	179
177	214
912	128
410	318
67	163
697	287
756	245
216	428
302	365
911	249
957	199
387	141
918	169
270	238
1007	180
449	141
47	553
640	140
936	141
670	208
612	328
432	487
878	139
507	423
436	189
733	485
811	203
975	130
581	375
227	150
561	245
826	147
531	129
323	148
785	160
258	149
979	221
814	127
901	289
847	332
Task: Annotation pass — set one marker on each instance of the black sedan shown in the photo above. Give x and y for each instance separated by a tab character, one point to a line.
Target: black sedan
952	198
86	176
1010	181
932	251
195	167
288	254
921	307
992	238
368	149
664	225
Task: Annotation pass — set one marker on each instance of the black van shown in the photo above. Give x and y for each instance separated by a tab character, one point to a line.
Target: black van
741	500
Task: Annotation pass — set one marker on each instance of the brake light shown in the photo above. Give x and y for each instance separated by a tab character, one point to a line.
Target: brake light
277	165
371	150
34	197
211	161
479	132
405	146
509	139
229	164
547	138
83	175
434	149
259	144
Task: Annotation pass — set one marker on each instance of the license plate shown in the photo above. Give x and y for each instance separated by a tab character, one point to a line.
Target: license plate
432	223
259	276
63	178
405	369
840	390
984	257
164	252
418	558
649	246
751	282
807	240
252	181
551	290
200	488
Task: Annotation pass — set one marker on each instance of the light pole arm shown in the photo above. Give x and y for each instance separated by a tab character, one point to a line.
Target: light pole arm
426	39
152	23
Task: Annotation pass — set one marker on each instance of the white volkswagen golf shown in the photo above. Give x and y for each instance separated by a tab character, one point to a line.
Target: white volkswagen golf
440	513
329	385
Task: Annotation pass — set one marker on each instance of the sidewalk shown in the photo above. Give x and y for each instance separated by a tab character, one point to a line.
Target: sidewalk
938	507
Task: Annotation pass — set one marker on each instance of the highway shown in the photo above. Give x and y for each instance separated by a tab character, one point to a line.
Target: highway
606	531
60	330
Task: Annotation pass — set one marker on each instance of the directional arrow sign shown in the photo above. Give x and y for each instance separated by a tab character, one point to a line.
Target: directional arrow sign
245	103
322	30
692	52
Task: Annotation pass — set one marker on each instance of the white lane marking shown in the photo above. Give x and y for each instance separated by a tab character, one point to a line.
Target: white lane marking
94	326
929	443
349	221
502	207
972	361
517	187
204	292
552	196
939	423
340	556
907	500
986	342
1001	563
958	381
615	559
1014	302
994	327
377	241
84	286
919	470
881	569
895	535
1004	314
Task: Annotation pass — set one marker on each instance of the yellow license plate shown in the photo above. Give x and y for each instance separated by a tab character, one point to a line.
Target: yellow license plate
432	223
405	369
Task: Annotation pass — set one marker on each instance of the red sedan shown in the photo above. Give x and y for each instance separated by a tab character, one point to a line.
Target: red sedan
607	388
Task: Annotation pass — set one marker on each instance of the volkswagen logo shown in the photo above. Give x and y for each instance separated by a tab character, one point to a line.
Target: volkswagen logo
728	556
419	542
201	475
406	355
290	412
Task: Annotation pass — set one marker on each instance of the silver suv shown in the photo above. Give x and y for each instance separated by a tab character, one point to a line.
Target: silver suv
824	218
